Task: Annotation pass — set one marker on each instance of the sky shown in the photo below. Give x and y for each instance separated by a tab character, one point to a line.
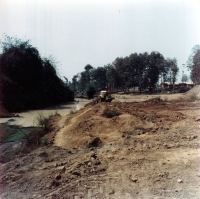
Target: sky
96	32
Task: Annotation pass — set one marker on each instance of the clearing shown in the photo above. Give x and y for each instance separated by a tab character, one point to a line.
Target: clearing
150	150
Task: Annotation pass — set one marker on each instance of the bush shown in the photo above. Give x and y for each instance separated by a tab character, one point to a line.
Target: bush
90	91
72	111
42	121
110	112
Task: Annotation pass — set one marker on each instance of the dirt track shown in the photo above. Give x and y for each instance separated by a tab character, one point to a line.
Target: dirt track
151	150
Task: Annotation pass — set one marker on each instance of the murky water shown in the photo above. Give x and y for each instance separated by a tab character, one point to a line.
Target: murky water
27	119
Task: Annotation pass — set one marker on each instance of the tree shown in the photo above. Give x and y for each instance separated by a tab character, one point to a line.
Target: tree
75	82
112	77
90	91
194	64
27	81
175	70
99	78
154	68
88	68
184	78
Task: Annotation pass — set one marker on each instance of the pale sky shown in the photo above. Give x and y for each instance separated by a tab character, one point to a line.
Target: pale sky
96	32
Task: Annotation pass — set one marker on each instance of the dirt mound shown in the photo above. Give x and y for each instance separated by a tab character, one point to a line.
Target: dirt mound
89	123
195	89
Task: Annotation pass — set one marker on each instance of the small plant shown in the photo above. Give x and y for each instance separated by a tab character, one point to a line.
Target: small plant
138	131
151	118
42	121
44	141
110	112
72	111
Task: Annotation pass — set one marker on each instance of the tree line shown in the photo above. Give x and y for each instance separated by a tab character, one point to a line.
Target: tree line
144	71
193	64
28	81
141	70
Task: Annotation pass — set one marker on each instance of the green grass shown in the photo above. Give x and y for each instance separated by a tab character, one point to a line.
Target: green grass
110	112
13	133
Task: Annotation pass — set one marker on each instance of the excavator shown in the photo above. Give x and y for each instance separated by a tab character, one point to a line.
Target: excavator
105	95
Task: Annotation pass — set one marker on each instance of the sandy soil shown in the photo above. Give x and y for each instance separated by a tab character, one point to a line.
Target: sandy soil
151	150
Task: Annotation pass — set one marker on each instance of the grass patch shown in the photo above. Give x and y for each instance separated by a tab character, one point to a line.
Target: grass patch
44	141
138	131
13	133
42	121
110	112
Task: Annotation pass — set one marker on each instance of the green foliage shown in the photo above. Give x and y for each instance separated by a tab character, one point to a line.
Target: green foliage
90	91
72	111
44	141
13	133
28	81
137	70
194	64
42	121
110	112
184	78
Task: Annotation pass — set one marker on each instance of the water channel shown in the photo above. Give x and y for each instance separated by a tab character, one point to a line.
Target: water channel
27	119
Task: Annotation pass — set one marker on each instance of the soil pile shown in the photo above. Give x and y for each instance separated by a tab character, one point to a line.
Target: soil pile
195	89
151	150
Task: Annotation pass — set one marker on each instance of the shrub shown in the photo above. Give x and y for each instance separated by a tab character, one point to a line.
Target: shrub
42	121
72	111
44	141
110	112
90	91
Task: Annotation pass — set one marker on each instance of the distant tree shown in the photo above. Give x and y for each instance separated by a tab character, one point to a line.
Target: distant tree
83	81
194	64
112	77
184	78
122	68
173	70
90	91
75	82
154	68
88	68
99	78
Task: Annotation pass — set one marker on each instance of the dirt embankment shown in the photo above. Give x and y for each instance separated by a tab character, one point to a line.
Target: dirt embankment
151	150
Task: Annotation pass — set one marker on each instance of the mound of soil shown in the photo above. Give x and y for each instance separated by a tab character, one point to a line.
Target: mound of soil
151	150
195	89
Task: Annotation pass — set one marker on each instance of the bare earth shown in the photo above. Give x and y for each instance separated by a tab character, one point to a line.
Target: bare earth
150	151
